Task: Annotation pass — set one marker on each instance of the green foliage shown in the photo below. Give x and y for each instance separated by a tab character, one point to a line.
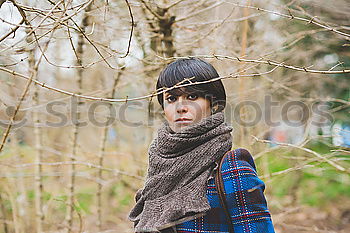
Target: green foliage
61	200
31	195
85	201
46	196
7	205
328	185
123	197
314	186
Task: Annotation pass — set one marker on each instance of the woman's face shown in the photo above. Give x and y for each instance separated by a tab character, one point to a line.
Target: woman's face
185	109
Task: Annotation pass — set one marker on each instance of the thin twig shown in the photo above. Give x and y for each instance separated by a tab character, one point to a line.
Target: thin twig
199	12
89	165
88	39
293	17
268	62
131	31
157	92
13	30
306	150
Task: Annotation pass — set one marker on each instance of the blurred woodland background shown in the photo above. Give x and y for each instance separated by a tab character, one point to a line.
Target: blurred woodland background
77	114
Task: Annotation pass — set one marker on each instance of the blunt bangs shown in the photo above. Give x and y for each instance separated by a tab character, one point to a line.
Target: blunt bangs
188	90
200	70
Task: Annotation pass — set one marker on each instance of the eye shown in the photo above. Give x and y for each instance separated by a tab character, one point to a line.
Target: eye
171	98
192	96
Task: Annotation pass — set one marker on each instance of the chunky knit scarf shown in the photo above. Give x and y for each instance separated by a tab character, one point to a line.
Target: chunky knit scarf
179	166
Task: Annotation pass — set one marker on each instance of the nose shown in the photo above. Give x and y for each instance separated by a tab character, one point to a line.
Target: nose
181	106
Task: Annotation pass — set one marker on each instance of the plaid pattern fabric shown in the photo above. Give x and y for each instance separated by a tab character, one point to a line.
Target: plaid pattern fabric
245	200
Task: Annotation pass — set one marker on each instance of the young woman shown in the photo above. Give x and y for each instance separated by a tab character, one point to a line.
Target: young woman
179	194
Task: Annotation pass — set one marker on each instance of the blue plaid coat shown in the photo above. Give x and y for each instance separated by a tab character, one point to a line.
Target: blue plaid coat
245	198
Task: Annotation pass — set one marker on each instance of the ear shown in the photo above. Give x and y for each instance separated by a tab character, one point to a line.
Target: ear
214	109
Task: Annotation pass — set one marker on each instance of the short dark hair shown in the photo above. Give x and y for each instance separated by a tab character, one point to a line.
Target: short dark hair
183	68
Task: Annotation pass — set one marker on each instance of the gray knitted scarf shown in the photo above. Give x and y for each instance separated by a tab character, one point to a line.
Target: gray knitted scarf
179	166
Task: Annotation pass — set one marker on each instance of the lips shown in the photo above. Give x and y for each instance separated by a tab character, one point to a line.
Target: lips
183	120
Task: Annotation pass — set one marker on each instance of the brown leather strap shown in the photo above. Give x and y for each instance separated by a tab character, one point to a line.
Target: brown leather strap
221	193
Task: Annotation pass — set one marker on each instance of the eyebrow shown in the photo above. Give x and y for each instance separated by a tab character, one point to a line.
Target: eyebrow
167	94
187	92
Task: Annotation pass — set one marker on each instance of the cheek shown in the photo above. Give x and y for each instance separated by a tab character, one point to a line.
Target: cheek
169	113
205	109
200	110
206	106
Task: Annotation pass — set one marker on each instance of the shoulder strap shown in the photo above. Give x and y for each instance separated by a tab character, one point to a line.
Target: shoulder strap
221	193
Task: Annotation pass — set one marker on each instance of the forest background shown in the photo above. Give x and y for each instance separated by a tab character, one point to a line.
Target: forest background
78	105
